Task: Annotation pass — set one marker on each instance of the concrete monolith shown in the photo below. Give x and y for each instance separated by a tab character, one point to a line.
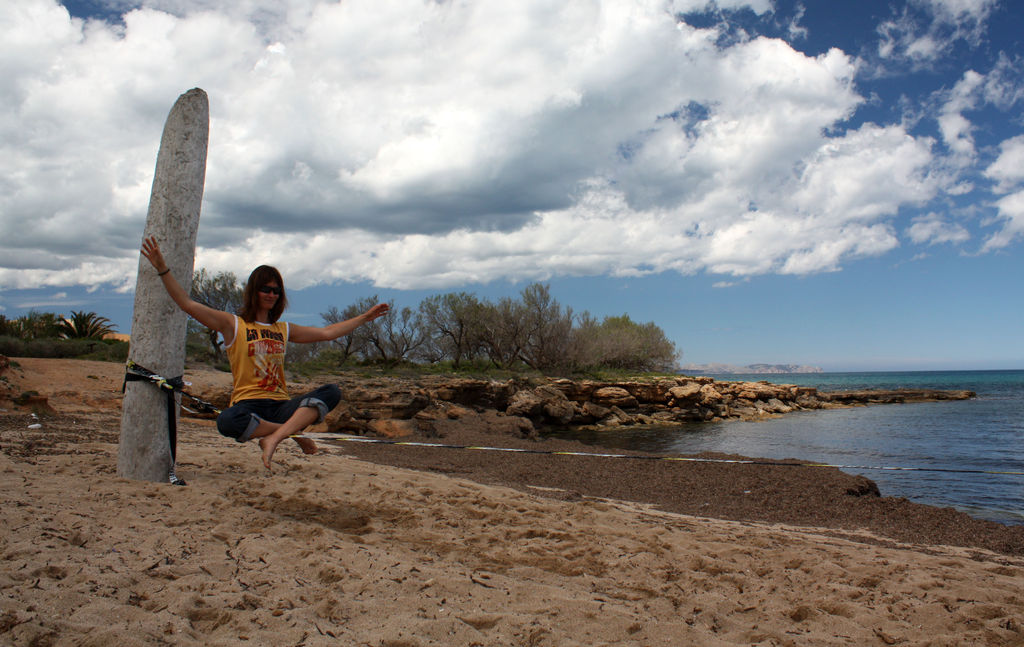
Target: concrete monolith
158	326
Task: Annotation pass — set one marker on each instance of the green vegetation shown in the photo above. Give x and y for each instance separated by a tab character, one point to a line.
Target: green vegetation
458	332
85	325
49	335
525	337
34	325
106	350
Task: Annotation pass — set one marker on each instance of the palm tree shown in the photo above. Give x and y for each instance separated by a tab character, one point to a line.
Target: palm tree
85	325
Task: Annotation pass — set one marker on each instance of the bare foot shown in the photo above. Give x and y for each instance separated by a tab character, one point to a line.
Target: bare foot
269	445
307	445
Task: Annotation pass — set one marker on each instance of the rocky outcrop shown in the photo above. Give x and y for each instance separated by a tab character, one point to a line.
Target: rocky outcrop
395	407
895	397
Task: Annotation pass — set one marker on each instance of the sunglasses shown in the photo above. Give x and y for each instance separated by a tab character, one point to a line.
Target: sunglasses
269	289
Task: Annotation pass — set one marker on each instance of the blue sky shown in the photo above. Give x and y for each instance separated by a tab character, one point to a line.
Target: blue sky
830	183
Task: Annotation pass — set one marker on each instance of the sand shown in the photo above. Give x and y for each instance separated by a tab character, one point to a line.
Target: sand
336	550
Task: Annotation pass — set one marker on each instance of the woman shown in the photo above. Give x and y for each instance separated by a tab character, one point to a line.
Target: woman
255	342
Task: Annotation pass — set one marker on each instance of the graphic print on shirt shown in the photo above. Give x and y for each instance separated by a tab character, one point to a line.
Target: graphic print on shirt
266	348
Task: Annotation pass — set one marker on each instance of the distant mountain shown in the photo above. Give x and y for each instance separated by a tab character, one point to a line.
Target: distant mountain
765	369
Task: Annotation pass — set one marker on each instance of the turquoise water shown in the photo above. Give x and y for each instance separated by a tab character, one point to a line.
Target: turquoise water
985	433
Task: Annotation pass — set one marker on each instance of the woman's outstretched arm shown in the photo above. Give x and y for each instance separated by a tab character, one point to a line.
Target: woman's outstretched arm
219	320
308	334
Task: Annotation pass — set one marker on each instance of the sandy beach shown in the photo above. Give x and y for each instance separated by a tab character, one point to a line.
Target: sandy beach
383	546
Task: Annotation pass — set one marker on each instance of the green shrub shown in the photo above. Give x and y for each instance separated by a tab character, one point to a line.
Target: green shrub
108	350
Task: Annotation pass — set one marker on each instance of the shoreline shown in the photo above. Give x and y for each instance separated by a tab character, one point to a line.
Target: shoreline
416	547
774	492
429	411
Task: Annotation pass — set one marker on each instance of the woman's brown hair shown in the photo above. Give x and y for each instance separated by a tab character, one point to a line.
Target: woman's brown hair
261	276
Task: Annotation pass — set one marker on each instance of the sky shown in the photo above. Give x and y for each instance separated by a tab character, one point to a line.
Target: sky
837	184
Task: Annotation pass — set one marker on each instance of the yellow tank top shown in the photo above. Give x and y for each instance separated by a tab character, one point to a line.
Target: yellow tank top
257	360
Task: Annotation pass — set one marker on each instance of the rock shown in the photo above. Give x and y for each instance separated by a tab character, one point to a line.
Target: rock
617	416
560	411
399	405
488	421
663	417
543	403
443	410
439	405
391	428
613	396
687	391
484	393
649	392
744	412
709	395
895	396
759	390
775	405
525	403
575	391
591	412
699	379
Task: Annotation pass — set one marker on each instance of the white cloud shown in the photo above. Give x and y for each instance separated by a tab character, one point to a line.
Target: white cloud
926	30
933	229
58	300
1008	169
794	29
688	6
867	174
961	11
1011	211
954	126
1004	85
810	224
423	144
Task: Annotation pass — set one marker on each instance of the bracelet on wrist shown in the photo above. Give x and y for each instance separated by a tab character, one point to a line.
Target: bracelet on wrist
164	272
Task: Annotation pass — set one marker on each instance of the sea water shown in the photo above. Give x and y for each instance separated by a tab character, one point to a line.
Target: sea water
984	435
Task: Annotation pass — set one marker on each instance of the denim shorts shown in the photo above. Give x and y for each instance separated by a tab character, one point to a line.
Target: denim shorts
240	420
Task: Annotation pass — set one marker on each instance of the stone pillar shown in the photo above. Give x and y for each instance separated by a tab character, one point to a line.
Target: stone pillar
158	325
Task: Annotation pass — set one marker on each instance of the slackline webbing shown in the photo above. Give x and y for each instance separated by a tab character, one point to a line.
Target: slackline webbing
688	459
170	386
134	372
176	385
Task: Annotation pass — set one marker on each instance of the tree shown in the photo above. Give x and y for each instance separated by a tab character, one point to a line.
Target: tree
85	325
501	331
402	334
37	325
451	319
349	345
619	342
365	341
220	292
395	337
547	330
